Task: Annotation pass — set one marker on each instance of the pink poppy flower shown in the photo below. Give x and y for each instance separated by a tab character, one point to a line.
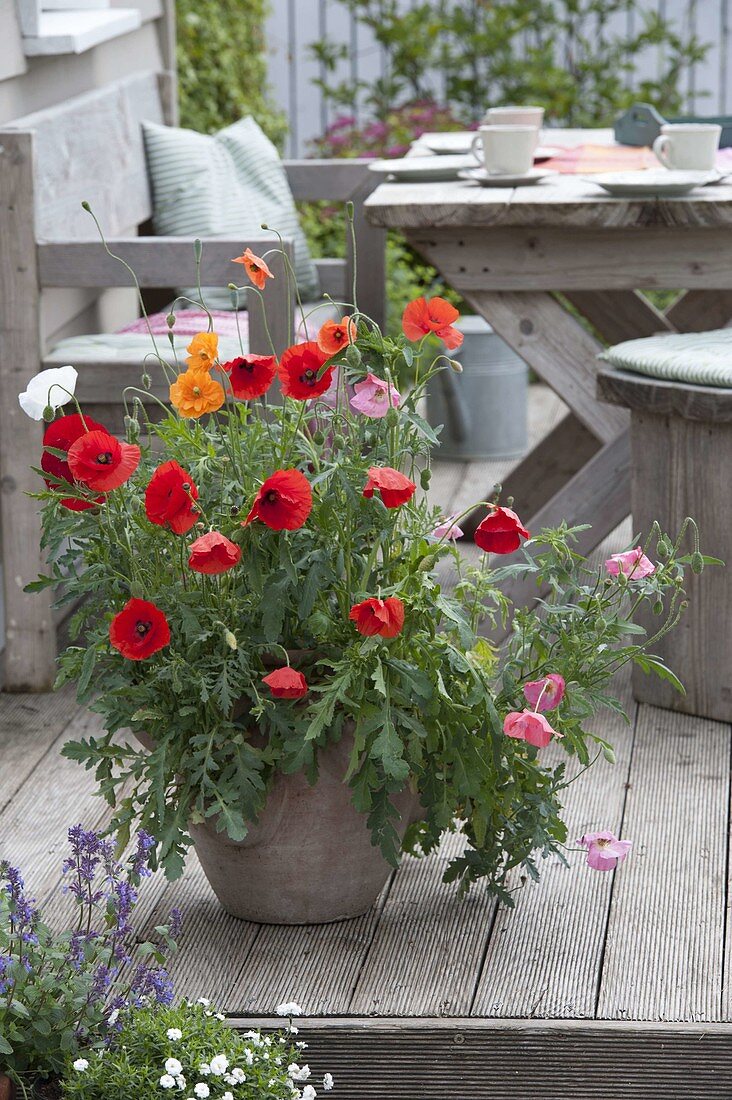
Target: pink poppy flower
545	694
448	529
604	850
373	397
528	726
633	563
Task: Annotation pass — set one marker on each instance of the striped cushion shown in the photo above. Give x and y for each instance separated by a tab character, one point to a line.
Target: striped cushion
224	185
703	358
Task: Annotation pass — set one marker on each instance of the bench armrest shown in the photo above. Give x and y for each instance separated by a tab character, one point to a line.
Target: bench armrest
171	261
156	261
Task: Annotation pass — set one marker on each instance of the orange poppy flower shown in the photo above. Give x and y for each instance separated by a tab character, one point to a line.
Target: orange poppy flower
255	268
425	315
334	336
203	351
195	393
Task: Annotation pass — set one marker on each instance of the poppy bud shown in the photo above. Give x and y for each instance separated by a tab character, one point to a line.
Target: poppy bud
197	249
339	440
146	380
234	298
658	607
85	206
318	439
170	319
48	414
455	366
132	427
392	418
424	479
663	547
230	640
697	562
353	356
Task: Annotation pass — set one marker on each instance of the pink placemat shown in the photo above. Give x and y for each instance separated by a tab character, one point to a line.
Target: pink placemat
586	159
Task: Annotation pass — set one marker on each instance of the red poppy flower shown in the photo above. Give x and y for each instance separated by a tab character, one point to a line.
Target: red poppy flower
394	487
139	630
286	683
60	434
425	315
101	461
251	375
169	498
384	617
500	532
299	368
284	502
213	553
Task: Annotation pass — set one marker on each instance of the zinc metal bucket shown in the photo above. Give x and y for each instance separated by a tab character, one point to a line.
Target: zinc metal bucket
482	410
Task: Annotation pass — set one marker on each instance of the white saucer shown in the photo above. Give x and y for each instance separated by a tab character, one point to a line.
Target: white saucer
653	183
494	179
422	168
458	141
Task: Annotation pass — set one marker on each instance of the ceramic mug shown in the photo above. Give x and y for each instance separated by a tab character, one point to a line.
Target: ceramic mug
688	145
505	150
515	116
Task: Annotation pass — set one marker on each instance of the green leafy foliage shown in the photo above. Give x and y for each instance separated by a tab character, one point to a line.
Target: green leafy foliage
222	65
423	709
155	1041
584	61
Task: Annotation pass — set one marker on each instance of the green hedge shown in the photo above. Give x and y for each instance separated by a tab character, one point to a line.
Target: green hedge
222	65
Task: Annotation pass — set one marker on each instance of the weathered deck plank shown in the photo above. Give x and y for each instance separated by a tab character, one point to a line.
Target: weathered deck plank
663	957
428	945
545	955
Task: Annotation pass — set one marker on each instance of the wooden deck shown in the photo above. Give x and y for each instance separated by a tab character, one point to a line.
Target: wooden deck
594	986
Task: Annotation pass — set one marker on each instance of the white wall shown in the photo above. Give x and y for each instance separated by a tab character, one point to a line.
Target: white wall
294	24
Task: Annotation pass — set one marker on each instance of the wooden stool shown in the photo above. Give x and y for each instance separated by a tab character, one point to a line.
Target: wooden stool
681	446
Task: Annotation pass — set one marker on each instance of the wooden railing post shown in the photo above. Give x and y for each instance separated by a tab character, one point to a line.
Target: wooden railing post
30	643
370	259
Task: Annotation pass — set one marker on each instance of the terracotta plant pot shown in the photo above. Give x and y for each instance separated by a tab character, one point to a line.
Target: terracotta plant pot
310	859
7	1088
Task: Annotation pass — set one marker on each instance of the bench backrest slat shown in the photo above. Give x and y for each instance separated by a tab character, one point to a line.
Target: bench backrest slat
91	147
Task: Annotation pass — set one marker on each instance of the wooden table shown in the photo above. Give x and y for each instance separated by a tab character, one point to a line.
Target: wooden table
557	270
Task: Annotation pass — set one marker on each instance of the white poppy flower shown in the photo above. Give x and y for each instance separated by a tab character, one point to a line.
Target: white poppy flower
167	1082
80	1065
289	1008
237	1076
52	387
309	1093
202	1090
174	1033
173	1067
328	1082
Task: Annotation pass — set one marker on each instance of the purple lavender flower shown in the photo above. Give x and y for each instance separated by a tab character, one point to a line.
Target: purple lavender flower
151	983
140	862
175	923
5	964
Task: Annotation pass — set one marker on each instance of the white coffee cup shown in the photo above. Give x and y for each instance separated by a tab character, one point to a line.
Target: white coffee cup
515	116
505	150
688	145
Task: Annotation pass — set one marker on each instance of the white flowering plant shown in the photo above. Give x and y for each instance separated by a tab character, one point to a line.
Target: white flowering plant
191	1052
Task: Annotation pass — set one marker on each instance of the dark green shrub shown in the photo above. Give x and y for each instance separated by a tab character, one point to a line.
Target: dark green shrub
222	65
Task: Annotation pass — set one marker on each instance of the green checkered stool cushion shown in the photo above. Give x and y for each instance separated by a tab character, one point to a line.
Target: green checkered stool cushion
701	358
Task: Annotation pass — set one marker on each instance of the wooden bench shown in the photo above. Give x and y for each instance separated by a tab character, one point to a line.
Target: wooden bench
91	148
